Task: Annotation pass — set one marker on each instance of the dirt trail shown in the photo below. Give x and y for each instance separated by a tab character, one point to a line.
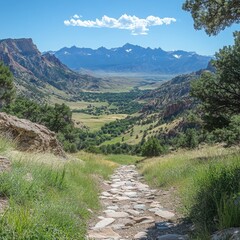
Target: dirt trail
131	210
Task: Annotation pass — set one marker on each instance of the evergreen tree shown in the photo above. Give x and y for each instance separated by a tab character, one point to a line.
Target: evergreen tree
152	148
220	92
7	89
213	15
191	138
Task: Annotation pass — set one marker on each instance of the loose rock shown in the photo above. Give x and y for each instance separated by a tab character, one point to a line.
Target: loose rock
104	222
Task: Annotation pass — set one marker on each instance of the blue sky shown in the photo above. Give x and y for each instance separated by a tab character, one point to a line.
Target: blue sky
43	21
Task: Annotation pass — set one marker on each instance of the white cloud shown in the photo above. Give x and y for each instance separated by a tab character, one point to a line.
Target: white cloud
76	16
137	26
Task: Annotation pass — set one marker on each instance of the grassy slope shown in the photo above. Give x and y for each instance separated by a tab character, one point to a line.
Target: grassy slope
96	122
138	131
175	168
194	174
42	188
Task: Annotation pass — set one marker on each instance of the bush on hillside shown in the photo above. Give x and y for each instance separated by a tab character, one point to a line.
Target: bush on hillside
152	148
230	134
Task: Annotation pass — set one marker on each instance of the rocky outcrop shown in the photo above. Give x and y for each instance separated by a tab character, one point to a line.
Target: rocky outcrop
177	107
172	97
30	136
5	164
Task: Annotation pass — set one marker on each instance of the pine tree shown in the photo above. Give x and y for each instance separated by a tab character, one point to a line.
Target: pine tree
7	89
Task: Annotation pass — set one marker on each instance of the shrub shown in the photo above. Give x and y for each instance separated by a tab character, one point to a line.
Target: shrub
191	138
230	134
152	148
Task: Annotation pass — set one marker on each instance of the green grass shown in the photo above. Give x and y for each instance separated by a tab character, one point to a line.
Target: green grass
176	168
132	140
138	132
96	122
214	200
207	180
48	197
5	144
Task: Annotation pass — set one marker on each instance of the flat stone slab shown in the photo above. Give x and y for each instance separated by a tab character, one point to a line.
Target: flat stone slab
165	214
133	212
106	233
106	194
103	223
115	207
140	235
131	194
143	219
117	214
154	209
122	198
140	207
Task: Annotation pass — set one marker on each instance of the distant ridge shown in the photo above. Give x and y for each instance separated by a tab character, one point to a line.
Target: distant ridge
173	97
37	75
132	58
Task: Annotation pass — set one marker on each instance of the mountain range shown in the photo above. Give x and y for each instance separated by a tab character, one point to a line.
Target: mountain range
38	75
132	58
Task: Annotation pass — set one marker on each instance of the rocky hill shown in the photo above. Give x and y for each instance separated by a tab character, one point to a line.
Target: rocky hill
38	74
172	97
132	58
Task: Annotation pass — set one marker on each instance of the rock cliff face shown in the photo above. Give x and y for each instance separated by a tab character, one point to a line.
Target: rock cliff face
30	136
171	97
37	75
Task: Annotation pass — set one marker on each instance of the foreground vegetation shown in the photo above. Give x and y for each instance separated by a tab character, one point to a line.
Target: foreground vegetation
207	180
48	197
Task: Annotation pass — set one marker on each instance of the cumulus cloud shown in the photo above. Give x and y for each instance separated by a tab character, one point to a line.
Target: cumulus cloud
137	26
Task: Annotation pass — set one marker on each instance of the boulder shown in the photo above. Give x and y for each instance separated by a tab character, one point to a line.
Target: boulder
30	136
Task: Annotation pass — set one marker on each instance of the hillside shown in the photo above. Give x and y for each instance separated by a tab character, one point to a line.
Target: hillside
171	97
37	75
132	58
164	114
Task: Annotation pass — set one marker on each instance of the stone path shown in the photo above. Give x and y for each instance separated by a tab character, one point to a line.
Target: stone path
131	211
